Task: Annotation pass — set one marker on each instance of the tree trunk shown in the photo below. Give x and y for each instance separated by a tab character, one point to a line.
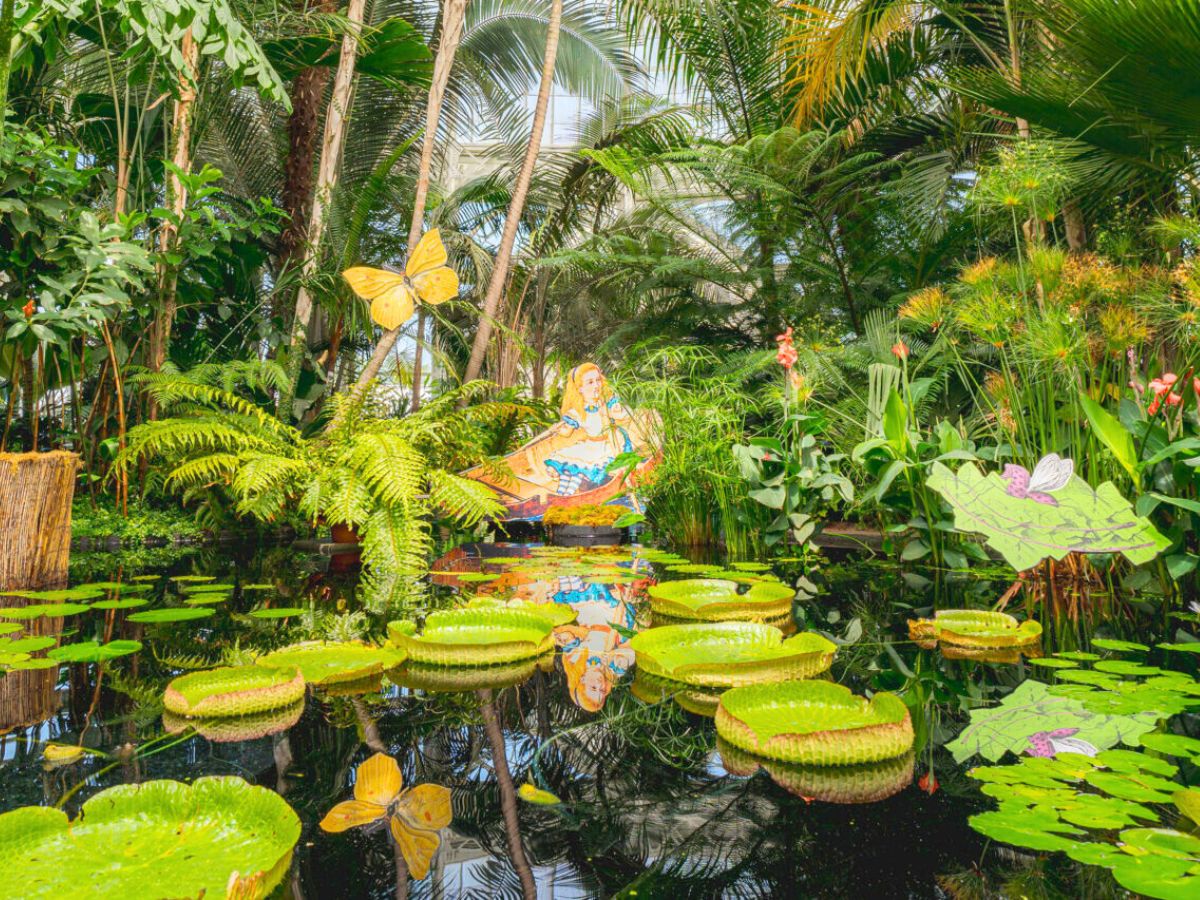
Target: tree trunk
308	90
327	174
453	14
7	13
1075	227
181	157
508	794
499	278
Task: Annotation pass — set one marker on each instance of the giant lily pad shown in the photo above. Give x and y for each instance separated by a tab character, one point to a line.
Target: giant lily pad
814	723
94	651
557	614
717	600
216	837
174	614
867	783
240	728
233	691
730	654
37	610
1025	531
474	637
327	662
975	628
652	689
440	679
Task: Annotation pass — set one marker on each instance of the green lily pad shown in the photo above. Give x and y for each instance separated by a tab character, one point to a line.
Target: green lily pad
31	665
10	628
1119	646
1139	787
233	691
1172	744
694	568
206	599
207	589
1078	655
814	723
83	592
1124	667
730	654
750	566
1162	842
38	610
1014	829
146	577
1181	648
115	586
27	645
973	628
329	662
131	603
1187	801
1159	877
128	838
193	579
278	612
256	587
1025	532
717	600
175	614
1133	761
94	651
474	637
240	728
1087	676
1105	855
1050	662
557	614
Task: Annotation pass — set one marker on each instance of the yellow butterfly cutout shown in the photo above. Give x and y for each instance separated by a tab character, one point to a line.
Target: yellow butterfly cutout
417	814
393	295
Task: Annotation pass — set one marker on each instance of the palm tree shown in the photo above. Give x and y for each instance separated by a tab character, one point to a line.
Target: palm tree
496	285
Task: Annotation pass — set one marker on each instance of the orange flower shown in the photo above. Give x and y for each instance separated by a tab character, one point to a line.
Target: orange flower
786	356
417	814
28	309
928	783
900	350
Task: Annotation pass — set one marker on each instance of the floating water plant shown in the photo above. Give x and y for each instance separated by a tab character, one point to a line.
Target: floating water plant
557	614
278	612
1026	529
718	600
216	837
175	614
415	815
130	603
474	637
975	629
730	654
814	723
94	651
38	610
329	662
441	679
233	691
654	690
867	783
239	728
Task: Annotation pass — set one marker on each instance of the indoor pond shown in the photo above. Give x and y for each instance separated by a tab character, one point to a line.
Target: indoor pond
591	766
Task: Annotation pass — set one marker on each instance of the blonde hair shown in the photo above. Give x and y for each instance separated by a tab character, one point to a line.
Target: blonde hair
573	391
575	664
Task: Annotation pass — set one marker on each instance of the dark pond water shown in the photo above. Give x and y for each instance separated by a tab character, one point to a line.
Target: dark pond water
652	807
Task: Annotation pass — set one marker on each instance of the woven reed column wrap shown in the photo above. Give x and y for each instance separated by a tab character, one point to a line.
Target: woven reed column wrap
36	490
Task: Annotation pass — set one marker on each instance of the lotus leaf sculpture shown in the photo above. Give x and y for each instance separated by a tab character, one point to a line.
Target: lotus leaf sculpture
730	654
474	637
233	691
330	662
216	837
718	600
866	783
975	629
814	723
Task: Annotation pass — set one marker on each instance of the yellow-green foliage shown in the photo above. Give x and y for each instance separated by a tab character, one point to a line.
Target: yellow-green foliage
587	514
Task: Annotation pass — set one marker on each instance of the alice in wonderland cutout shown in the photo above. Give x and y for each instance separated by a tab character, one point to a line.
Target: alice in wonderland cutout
393	295
1028	517
568	464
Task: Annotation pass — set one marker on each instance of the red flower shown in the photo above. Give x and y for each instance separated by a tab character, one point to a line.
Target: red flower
1163	383
928	783
900	350
28	309
1196	386
786	356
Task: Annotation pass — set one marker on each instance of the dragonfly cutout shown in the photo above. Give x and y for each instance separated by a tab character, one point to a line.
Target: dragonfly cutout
1051	473
416	814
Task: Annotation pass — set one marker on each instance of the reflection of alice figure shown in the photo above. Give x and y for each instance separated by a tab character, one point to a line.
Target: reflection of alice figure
594	659
591	435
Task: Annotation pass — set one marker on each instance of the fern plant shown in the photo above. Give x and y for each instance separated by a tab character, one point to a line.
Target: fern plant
388	479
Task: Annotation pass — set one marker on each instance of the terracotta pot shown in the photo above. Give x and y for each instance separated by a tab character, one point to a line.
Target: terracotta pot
344	534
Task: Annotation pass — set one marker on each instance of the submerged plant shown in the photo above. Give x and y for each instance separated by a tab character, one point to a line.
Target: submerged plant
415	815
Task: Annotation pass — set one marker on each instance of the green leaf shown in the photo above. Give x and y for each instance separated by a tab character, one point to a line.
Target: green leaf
130	837
1113	435
93	651
178	614
1026	532
1119	646
281	612
1172	744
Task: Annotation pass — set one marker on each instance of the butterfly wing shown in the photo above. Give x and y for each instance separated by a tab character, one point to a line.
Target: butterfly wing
1051	473
352	813
437	285
1039	497
378	780
1017	478
429	253
418	846
391	298
370	283
427	806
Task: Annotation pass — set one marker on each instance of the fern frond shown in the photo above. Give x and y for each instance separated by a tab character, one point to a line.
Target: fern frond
464	499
